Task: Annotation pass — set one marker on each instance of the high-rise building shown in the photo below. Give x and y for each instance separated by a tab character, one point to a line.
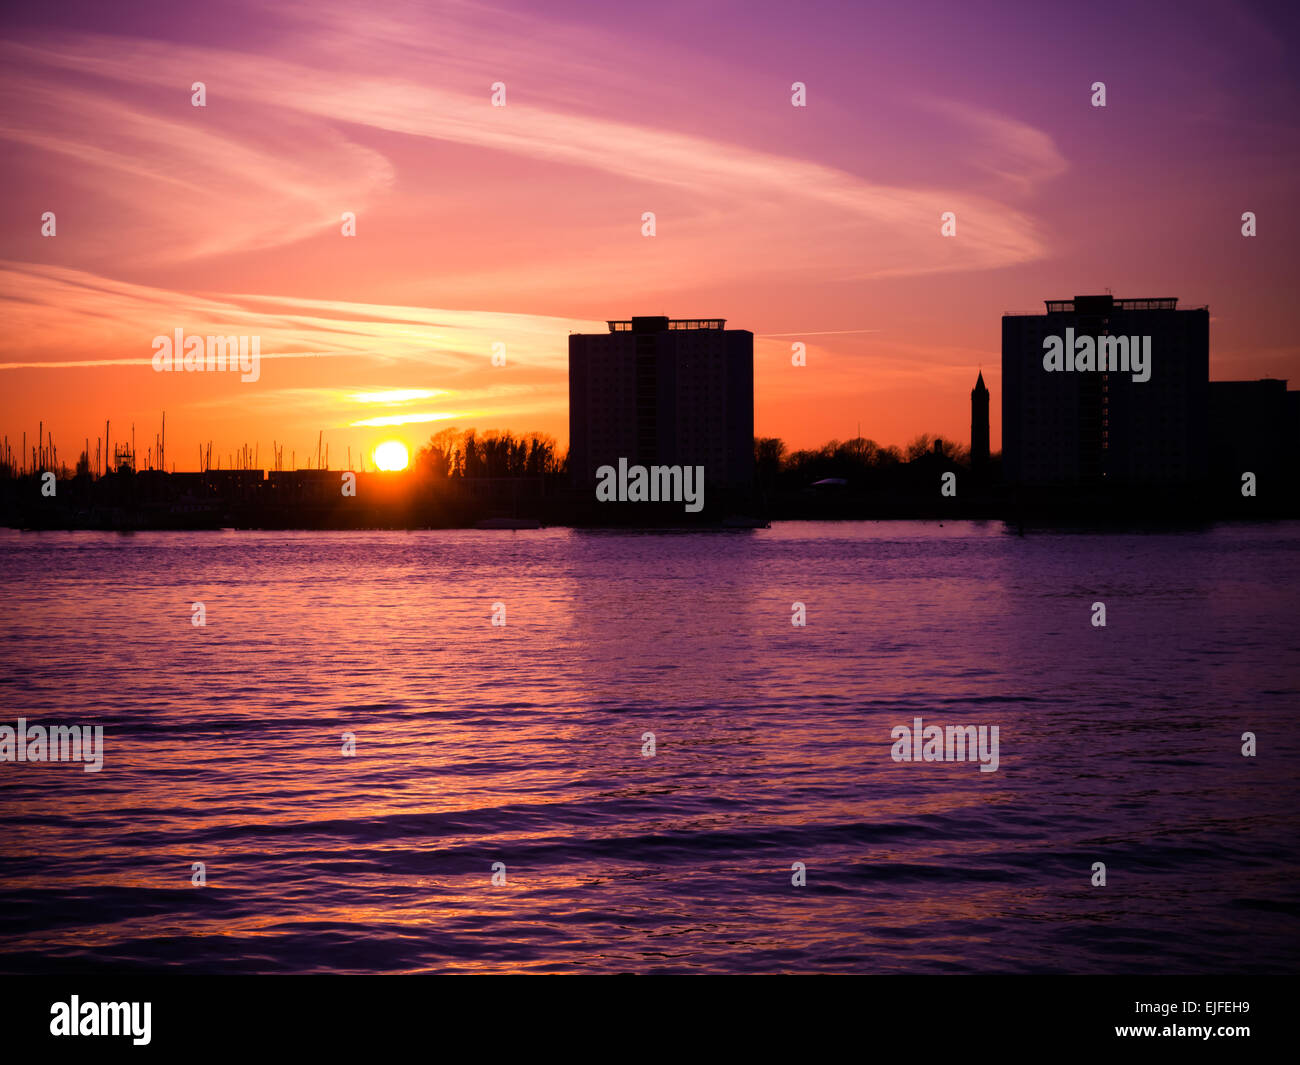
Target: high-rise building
663	391
1251	429
1076	409
979	426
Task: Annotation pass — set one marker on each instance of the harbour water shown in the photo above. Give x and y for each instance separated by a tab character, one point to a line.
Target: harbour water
524	744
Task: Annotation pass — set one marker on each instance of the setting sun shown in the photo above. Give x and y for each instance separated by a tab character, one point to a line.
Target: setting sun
391	455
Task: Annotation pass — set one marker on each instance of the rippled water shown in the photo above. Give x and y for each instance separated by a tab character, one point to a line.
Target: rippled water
522	744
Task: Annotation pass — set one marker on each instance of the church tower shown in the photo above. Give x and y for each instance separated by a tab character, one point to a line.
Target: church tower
979	426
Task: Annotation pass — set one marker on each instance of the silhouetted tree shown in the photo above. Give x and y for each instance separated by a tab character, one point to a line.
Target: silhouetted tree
928	444
469	454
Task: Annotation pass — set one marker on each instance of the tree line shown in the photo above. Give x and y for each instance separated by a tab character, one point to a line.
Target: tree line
469	454
861	462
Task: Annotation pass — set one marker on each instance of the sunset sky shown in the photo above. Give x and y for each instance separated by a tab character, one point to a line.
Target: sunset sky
518	224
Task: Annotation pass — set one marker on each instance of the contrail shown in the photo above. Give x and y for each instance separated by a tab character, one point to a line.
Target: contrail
818	333
149	361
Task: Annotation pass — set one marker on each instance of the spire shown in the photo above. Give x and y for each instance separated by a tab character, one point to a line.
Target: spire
979	426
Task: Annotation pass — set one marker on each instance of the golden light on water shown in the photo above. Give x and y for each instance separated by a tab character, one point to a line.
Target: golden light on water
392	455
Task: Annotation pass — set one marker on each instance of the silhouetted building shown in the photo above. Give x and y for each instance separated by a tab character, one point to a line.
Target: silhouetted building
979	426
1252	429
661	391
1072	411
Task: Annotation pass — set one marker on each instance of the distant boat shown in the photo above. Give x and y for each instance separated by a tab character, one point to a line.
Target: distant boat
508	523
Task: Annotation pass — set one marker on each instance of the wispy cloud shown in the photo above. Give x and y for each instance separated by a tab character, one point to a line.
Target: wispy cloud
398	395
279	149
57	309
410	419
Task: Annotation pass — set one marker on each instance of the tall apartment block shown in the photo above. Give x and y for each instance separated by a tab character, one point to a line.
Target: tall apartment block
1253	428
663	391
1089	427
